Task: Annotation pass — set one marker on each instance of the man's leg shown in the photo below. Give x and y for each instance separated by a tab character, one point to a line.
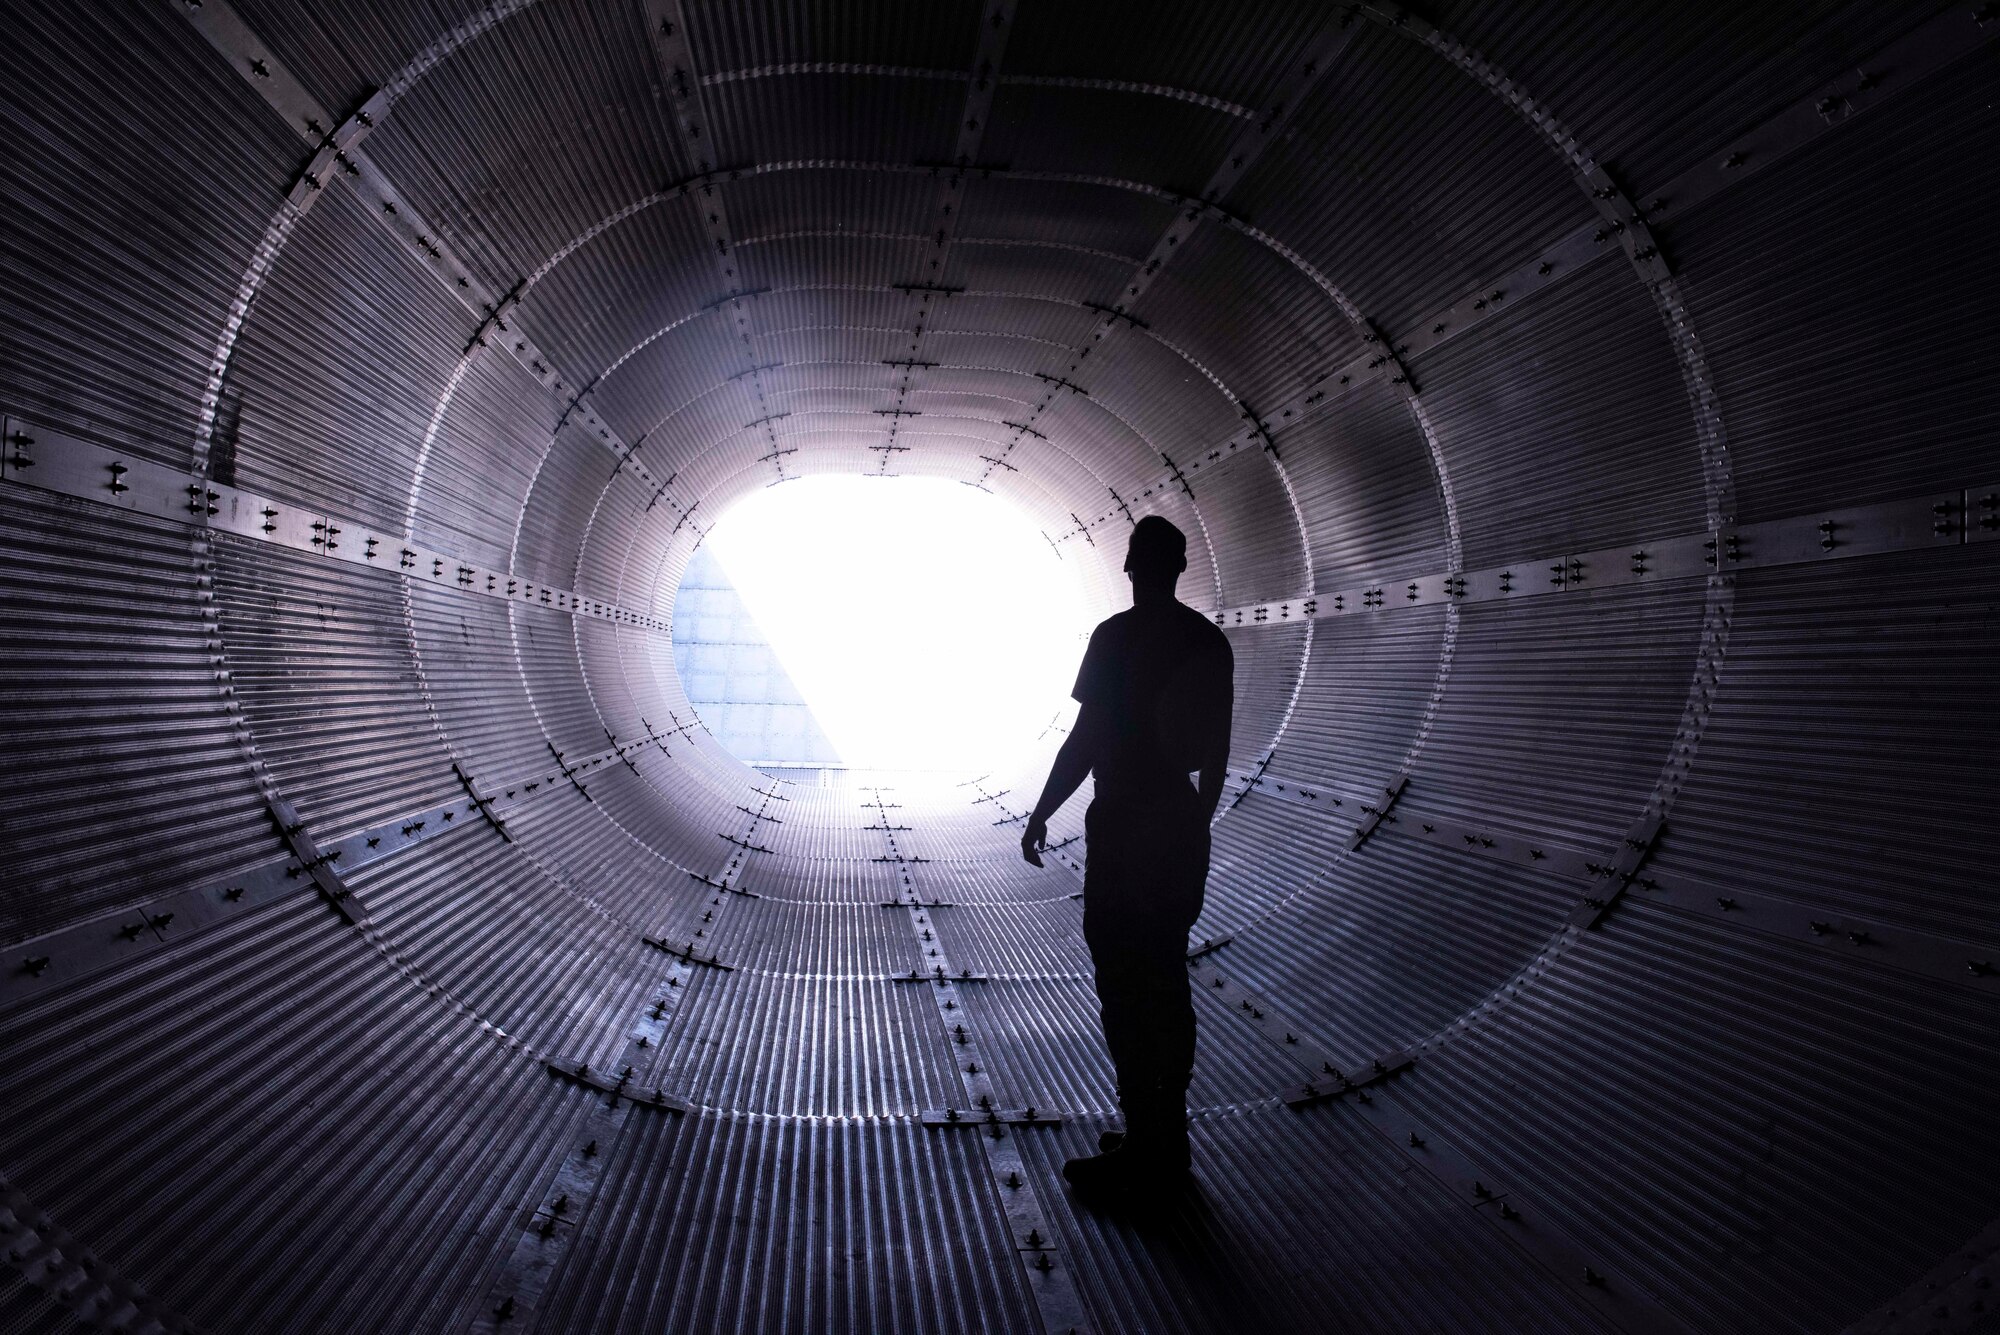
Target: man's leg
1141	899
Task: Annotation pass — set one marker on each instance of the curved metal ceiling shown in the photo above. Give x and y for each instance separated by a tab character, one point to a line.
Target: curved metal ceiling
1598	936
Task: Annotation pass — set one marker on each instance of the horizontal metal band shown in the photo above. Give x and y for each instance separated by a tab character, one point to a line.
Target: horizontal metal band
1348	1082
55	461
939	976
1940	519
990	1117
617	1084
687	953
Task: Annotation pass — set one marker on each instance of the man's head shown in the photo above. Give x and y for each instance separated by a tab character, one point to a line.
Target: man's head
1157	554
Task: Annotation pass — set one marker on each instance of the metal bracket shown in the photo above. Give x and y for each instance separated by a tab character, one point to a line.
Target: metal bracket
987	1119
618	1086
317	863
1342	1083
937	974
688	954
1373	814
1632	852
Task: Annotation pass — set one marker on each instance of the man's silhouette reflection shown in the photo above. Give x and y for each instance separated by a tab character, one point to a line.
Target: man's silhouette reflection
1156	688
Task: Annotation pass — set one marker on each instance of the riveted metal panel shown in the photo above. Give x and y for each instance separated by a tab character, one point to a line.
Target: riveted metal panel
1098	219
377	45
1647	92
320	384
320	659
906	123
1817	757
516	947
120	769
1366	684
1323	1183
1560	712
913	33
1264	344
1268	664
1801	249
1809	1112
1248	515
1341	190
1365	484
459	139
1168	144
121	265
906	1201
133	1132
487	446
1573	395
1180	45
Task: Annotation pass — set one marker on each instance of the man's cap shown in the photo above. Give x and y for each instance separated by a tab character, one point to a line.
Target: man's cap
1157	546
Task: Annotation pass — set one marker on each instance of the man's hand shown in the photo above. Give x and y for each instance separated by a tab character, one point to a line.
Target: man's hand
1034	839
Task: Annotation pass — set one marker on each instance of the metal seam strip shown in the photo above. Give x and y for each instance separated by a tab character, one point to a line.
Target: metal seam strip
1943	518
55	461
666	21
947	208
1939	519
1049	1276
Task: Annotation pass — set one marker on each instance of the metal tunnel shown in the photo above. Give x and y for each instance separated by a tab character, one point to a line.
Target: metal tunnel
1584	421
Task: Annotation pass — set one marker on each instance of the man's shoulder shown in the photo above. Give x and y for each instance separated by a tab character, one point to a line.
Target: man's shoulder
1115	626
1201	629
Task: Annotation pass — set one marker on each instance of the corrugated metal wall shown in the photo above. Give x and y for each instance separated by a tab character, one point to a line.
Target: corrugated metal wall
1600	933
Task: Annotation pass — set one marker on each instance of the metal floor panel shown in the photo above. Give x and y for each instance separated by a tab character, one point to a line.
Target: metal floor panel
756	1224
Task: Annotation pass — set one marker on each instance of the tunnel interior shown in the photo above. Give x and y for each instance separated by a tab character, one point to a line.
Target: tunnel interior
1583	421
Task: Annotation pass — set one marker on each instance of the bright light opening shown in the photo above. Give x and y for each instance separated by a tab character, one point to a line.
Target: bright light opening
925	624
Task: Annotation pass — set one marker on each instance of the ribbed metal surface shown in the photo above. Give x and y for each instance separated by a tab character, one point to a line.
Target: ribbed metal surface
499	105
321	662
1358	193
324	377
1558	715
1818	756
276	1159
1753	1095
1366	486
711	1203
1564	424
1803	431
1227	1260
121	771
1268	662
1647	94
1743	1119
124	248
1366	683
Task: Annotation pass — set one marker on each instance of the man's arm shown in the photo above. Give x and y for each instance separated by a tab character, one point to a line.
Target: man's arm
1073	764
1215	742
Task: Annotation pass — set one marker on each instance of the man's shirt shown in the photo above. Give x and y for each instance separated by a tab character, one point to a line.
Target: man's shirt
1160	682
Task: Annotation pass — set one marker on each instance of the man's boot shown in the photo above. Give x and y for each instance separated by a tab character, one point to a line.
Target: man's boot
1148	1160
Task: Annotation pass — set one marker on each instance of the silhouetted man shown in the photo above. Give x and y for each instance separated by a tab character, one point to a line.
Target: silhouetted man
1156	688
